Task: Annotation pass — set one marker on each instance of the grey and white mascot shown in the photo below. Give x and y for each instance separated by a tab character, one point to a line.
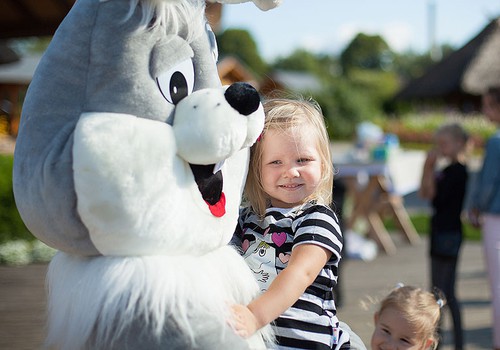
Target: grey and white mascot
130	160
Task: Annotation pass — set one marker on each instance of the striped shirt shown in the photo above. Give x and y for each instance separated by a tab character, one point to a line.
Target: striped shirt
266	245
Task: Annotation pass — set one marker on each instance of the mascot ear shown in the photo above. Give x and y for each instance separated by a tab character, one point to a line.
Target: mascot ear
264	5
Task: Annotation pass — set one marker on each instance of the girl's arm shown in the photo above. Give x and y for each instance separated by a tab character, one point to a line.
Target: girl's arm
428	186
305	263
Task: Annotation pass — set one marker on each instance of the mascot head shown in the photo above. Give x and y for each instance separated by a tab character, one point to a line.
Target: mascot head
130	160
127	133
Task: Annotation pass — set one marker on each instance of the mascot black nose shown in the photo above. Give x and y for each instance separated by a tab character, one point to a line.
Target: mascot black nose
243	97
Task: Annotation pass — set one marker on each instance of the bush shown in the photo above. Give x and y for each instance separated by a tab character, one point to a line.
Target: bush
20	252
15	252
420	128
11	225
40	252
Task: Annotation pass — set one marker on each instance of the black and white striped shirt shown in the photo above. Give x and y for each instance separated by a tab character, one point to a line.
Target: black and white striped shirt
266	245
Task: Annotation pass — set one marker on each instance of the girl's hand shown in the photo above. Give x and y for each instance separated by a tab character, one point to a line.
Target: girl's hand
243	321
432	157
474	217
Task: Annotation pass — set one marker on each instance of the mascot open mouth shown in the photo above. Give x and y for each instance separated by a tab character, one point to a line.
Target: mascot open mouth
210	186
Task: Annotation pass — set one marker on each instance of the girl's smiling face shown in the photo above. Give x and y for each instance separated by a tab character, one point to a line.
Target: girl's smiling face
393	331
291	166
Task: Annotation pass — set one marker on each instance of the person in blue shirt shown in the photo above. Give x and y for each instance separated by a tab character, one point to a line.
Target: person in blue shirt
485	206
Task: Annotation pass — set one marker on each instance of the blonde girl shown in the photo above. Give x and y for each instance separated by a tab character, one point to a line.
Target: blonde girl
287	233
407	320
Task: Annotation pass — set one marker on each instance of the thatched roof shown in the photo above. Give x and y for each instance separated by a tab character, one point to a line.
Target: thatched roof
461	74
484	70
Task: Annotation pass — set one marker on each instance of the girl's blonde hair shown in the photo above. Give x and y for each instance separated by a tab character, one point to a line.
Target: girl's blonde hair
285	114
422	309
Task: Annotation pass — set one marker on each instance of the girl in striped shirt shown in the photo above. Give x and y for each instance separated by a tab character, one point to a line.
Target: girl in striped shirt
287	233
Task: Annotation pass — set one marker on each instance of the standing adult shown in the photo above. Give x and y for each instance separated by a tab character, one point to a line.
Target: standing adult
485	206
445	187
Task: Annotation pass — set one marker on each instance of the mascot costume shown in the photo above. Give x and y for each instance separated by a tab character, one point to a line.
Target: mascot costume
131	159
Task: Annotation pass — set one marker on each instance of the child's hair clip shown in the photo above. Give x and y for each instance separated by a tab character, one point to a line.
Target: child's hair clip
399	285
259	138
440	299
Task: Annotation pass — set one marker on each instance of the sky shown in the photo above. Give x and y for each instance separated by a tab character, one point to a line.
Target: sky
327	26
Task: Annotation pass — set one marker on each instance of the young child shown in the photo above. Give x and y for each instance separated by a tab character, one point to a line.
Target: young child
407	319
445	188
289	236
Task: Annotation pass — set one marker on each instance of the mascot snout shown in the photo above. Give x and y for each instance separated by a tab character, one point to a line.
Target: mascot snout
212	125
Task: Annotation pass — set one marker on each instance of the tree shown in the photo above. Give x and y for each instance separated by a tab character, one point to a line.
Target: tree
324	67
366	52
410	65
239	43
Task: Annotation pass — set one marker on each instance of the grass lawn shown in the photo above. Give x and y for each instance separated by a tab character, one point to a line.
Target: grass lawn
421	223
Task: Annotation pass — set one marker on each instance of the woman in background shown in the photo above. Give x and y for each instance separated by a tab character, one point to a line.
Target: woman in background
485	207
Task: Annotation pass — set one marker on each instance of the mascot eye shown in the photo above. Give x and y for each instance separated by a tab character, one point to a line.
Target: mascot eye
177	83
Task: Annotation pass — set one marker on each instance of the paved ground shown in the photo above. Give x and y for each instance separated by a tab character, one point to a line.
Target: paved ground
365	283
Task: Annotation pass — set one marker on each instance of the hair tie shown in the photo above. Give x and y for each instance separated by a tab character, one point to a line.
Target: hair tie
440	302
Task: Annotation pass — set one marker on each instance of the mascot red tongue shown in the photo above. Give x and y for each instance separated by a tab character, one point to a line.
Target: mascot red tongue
130	160
219	208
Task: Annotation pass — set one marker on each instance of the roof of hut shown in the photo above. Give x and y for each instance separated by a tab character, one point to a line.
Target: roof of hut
467	70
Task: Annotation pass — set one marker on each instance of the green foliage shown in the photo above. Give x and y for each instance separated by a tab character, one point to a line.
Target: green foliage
348	101
21	252
239	43
11	225
16	252
410	65
343	107
366	52
323	66
378	86
30	44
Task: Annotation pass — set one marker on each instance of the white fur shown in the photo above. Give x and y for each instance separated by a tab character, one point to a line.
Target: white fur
138	197
96	292
262	4
179	15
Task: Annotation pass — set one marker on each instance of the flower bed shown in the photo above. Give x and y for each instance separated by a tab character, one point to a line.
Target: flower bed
420	128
